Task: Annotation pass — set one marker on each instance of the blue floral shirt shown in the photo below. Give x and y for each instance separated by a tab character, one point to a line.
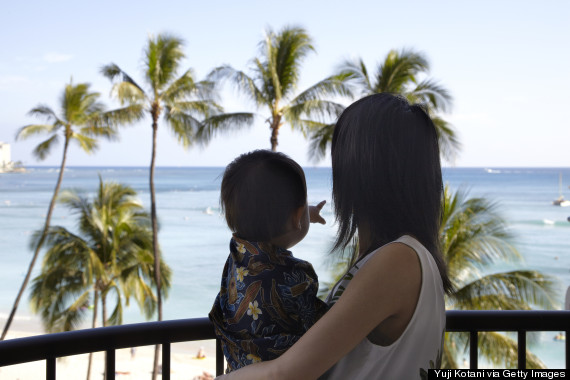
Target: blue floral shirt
268	300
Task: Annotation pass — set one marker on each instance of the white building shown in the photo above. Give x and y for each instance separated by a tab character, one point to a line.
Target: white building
5	157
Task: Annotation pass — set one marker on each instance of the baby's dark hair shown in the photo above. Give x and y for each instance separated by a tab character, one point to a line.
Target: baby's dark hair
260	190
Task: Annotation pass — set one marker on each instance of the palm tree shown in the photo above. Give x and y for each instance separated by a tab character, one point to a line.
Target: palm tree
473	237
182	100
82	120
110	259
399	73
273	83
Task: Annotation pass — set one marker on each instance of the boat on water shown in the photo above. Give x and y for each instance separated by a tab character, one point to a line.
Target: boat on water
560	201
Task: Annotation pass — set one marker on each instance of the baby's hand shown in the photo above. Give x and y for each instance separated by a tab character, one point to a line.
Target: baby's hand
314	215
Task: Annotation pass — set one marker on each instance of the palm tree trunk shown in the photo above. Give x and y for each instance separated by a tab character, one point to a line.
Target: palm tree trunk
40	242
155	235
104	323
274	132
93	325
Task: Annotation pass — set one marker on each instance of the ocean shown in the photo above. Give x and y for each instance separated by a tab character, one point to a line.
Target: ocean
194	237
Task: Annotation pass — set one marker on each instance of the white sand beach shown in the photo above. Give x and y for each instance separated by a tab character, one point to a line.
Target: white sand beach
184	364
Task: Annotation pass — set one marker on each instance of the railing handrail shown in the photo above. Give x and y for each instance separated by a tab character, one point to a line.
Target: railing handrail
507	320
40	347
51	346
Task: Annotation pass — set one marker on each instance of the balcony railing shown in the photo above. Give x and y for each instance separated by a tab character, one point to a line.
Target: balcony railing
52	346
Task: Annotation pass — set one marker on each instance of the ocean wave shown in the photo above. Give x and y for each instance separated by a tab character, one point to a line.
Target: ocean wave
546	222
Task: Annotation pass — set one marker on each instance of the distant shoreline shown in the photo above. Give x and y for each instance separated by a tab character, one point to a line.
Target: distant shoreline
311	167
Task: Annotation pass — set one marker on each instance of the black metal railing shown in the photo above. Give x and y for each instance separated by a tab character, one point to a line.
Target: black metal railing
508	320
49	347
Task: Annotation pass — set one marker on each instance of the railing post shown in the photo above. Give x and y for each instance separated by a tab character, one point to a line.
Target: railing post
521	349
50	368
568	349
219	358
473	349
165	361
110	365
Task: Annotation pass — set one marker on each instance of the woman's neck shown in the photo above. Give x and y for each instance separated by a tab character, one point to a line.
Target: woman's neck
364	239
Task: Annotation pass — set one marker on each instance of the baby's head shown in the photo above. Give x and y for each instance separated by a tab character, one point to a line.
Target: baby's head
264	198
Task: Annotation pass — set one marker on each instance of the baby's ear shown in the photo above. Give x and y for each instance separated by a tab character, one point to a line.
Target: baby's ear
296	218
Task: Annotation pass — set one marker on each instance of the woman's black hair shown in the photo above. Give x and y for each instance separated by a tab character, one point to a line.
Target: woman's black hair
387	175
260	190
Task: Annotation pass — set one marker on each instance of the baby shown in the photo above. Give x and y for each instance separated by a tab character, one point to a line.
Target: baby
268	298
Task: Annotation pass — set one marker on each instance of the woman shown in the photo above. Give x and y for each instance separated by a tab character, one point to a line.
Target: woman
387	315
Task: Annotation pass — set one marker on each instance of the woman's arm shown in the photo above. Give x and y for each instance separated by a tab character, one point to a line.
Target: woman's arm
382	288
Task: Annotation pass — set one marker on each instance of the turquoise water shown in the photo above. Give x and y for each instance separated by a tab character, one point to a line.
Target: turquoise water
194	236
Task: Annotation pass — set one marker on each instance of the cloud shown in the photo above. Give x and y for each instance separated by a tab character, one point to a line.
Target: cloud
54	57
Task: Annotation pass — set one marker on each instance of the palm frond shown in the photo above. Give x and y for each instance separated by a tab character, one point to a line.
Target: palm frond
285	52
473	234
45	112
334	85
125	115
146	299
449	353
165	277
116	317
163	56
128	93
198	108
183	125
42	150
449	144
28	131
356	71
502	351
88	144
320	136
223	123
114	73
268	68
432	94
399	69
266	79
242	81
519	289
322	110
59	295
114	243
97	129
78	104
186	87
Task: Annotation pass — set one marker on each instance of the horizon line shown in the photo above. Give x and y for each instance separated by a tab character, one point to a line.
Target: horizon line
306	166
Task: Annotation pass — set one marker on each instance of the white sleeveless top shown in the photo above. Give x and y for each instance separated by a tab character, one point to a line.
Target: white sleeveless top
418	349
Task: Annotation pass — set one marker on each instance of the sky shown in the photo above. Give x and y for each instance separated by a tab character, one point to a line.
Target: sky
506	64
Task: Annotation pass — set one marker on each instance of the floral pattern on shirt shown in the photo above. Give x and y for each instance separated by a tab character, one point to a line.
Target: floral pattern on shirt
267	301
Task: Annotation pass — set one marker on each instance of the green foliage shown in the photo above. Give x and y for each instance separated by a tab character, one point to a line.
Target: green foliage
273	83
82	120
111	254
183	101
474	236
398	73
